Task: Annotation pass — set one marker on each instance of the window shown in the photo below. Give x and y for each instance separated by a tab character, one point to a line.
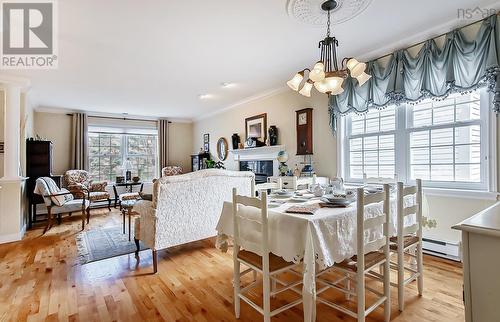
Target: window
442	142
109	151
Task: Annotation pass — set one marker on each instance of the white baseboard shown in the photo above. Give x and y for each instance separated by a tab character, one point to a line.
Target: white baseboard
13	237
444	249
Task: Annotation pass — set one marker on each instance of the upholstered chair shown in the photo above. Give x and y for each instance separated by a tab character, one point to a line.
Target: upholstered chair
59	201
171	170
79	184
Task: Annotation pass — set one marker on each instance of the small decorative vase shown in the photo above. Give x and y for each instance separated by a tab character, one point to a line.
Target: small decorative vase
235	138
273	135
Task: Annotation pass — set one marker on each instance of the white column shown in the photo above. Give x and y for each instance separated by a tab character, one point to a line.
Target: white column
12	133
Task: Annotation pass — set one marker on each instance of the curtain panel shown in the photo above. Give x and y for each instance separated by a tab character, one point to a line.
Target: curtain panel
163	142
458	66
79	141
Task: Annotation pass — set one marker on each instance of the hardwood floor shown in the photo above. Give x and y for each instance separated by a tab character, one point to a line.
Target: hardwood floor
41	280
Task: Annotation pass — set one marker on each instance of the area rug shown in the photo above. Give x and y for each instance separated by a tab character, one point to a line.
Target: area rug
98	244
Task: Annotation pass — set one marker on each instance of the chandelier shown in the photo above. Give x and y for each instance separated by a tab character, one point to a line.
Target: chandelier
326	76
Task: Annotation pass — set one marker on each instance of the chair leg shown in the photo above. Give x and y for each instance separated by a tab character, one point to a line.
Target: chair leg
401	279
236	287
348	287
83	218
137	247
387	291
267	296
116	201
59	219
88	214
360	290
155	261
420	269
109	204
49	220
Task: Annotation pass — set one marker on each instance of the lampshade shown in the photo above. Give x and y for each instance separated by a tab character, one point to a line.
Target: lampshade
321	86
333	83
363	78
127	165
317	74
294	83
351	63
306	89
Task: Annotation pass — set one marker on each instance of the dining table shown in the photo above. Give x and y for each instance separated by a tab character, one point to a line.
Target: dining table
317	240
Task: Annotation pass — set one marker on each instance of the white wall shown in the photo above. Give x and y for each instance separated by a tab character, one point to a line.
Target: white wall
280	109
180	140
56	127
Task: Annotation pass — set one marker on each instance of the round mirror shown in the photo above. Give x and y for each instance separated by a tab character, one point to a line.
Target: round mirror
222	147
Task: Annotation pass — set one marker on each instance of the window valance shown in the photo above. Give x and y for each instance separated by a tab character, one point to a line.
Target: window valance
459	65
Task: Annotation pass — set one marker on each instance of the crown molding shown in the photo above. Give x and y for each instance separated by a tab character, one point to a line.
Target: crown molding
57	110
246	100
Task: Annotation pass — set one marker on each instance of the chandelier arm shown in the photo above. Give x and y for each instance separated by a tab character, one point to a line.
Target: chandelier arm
334	45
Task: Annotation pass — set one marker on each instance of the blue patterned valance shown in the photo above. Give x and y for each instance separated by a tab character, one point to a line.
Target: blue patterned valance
459	66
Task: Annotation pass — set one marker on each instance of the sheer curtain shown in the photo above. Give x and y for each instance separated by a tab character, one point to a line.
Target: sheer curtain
79	141
163	142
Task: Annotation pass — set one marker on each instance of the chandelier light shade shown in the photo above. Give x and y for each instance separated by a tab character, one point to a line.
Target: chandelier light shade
326	76
317	74
306	89
294	83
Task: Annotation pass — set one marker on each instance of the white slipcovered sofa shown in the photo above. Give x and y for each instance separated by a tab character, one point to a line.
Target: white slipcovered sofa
187	207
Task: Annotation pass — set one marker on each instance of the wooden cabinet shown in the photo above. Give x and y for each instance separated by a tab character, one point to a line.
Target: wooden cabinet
304	132
198	161
38	164
481	265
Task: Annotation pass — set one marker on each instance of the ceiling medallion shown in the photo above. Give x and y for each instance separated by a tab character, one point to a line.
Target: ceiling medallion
326	75
311	13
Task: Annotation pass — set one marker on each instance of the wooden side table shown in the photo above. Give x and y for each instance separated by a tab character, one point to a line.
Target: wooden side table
127	207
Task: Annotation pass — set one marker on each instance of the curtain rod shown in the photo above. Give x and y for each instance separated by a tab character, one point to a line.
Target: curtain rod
435	37
118	118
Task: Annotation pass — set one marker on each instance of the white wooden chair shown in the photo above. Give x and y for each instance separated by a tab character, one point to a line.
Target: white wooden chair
258	258
363	264
408	239
271	184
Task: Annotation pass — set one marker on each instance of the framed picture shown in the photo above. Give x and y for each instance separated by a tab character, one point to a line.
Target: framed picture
206	138
206	147
256	127
1	147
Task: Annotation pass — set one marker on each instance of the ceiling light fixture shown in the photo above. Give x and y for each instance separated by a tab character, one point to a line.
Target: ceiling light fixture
227	84
204	96
325	75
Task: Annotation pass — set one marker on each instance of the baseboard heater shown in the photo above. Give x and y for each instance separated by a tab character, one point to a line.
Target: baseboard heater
444	249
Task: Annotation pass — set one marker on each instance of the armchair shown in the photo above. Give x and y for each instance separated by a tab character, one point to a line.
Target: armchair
79	184
171	170
59	201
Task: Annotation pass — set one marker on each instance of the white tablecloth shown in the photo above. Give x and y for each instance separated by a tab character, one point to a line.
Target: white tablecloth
325	238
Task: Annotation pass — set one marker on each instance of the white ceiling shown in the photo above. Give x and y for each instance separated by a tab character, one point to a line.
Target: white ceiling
154	58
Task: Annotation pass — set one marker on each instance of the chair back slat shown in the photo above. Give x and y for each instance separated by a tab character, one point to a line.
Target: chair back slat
374	197
404	211
410	210
410	190
370	223
374	222
248	201
408	230
255	225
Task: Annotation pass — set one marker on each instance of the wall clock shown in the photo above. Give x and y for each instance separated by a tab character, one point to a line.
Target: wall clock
304	132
